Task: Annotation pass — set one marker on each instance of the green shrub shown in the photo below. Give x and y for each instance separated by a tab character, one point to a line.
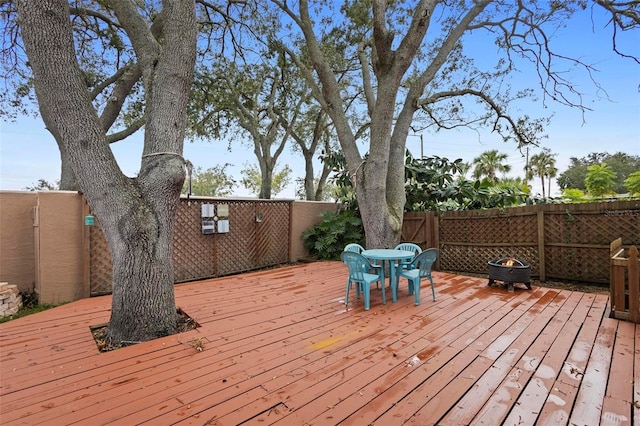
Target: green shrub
574	195
328	238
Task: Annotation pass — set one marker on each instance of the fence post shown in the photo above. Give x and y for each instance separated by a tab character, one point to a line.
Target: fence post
86	252
614	273
541	255
634	285
435	230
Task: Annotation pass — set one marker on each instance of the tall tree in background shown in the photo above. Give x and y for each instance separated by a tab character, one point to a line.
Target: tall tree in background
137	214
43	185
252	180
600	180
213	182
489	164
632	183
414	58
311	133
265	96
252	98
575	175
542	165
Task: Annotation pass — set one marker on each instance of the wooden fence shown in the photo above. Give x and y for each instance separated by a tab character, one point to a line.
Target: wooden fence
625	282
559	241
258	237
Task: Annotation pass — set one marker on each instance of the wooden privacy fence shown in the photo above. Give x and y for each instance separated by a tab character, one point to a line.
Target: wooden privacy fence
422	229
625	282
259	235
563	241
559	241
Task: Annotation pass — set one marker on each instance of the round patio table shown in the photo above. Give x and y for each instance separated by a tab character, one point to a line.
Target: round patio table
391	256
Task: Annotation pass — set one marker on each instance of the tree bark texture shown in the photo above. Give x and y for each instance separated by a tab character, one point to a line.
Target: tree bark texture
136	215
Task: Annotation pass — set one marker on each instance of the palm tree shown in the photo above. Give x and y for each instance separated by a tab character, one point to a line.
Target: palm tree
489	163
542	165
552	171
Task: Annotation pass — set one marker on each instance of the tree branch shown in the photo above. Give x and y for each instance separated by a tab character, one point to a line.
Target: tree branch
366	75
522	136
81	11
625	15
128	78
123	134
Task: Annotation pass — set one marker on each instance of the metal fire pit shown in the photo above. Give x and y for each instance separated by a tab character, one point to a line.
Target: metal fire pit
519	272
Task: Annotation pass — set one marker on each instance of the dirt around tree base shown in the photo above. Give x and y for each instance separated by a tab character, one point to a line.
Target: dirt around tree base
185	323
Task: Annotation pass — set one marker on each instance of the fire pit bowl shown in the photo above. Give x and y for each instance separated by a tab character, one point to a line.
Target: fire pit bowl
510	271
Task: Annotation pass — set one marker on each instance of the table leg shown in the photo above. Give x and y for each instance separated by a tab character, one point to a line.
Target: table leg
393	281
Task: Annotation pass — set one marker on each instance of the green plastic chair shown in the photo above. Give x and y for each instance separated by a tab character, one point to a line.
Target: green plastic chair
416	270
408	247
359	274
357	248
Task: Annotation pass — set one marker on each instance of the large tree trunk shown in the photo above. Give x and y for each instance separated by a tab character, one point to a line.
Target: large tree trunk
380	183
136	215
309	187
141	243
67	177
266	171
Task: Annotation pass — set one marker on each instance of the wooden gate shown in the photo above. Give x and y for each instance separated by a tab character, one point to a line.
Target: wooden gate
420	228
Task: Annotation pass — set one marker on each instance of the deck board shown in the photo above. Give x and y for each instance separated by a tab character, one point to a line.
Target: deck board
534	393
281	348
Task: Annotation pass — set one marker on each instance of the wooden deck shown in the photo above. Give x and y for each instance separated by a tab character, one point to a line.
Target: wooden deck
280	348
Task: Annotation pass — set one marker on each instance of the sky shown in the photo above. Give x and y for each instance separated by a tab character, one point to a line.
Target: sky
28	152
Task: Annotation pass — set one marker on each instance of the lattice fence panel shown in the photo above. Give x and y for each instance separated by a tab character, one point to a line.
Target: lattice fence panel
588	228
489	230
469	242
475	259
577	242
273	233
236	251
576	238
101	268
249	244
578	263
193	252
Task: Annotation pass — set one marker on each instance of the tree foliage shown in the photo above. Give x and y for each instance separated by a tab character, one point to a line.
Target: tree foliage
489	164
43	185
437	183
632	183
542	165
574	195
263	99
252	180
575	175
600	180
212	182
